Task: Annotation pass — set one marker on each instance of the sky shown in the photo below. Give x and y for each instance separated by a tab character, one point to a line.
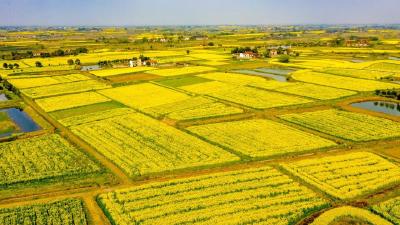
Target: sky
196	12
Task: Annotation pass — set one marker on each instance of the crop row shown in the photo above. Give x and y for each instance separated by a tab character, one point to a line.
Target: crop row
39	158
347	125
141	145
347	176
65	212
248	196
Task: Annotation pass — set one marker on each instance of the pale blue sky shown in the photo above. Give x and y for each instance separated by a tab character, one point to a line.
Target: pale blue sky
197	12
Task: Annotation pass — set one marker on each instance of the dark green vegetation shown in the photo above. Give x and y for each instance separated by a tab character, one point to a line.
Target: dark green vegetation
182	81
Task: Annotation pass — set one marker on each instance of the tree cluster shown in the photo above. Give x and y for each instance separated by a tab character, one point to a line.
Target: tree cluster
389	93
244	49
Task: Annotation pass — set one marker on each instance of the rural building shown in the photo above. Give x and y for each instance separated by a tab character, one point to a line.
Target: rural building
149	62
247	55
279	50
357	43
132	63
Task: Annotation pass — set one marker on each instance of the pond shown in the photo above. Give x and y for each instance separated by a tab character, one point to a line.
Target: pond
357	60
277	71
21	119
92	67
3	97
386	107
269	75
394	58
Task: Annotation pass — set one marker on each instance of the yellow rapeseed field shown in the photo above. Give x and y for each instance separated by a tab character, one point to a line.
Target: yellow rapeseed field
232	78
22	83
95	116
359	73
258	99
140	145
348	175
40	158
335	214
262	195
389	209
208	87
64	88
260	138
347	125
70	101
193	108
341	81
120	71
65	211
315	91
145	95
181	70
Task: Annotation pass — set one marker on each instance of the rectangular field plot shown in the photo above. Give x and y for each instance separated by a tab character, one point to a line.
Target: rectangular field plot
175	59
347	176
346	125
260	138
213	63
67	88
68	211
349	83
258	99
316	91
232	78
70	101
208	87
120	71
272	84
359	73
391	67
193	108
144	95
249	196
39	158
22	83
304	89
181	71
182	81
389	209
94	116
140	145
85	109
212	57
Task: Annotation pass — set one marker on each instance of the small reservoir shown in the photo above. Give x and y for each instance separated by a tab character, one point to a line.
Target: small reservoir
24	122
279	78
386	107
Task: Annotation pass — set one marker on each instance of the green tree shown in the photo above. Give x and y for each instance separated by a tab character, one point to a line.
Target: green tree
38	64
77	62
70	62
284	59
5	65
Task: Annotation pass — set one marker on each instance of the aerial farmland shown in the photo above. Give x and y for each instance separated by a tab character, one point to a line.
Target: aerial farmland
210	124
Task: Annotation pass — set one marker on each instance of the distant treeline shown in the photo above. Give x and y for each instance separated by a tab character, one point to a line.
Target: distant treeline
395	94
30	54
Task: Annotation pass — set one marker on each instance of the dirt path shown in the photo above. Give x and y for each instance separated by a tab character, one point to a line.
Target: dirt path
96	214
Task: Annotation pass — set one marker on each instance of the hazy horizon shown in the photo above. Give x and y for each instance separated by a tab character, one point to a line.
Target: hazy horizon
206	12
